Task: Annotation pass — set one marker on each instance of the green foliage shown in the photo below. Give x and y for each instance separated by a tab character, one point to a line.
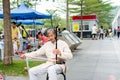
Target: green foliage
98	7
62	22
15	3
56	19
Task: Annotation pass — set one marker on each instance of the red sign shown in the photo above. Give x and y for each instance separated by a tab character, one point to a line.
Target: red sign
86	17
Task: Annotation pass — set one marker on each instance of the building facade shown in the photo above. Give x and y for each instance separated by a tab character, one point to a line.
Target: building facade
88	23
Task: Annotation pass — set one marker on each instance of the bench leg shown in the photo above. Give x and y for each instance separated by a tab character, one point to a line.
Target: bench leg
47	78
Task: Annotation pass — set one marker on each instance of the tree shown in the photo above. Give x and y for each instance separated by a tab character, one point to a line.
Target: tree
98	7
54	21
67	15
16	3
8	49
51	12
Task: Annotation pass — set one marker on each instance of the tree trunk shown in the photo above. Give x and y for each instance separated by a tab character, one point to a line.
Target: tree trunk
81	19
67	14
8	48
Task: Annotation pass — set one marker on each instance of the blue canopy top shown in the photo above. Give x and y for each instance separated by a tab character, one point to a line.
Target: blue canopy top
24	12
30	22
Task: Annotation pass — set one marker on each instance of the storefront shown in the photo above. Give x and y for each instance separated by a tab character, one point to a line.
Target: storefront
88	22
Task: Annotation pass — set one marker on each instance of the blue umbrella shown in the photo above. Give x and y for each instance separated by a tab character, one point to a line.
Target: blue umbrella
30	22
24	12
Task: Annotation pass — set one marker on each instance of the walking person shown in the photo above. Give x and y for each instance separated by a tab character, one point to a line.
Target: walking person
94	32
101	33
51	67
118	32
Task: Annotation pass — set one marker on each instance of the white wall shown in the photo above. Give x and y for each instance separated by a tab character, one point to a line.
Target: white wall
86	22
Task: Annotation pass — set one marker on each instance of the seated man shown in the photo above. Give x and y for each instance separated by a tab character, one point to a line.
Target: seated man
51	67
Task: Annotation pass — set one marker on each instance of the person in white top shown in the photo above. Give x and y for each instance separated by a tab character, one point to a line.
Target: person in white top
65	31
63	52
101	33
94	32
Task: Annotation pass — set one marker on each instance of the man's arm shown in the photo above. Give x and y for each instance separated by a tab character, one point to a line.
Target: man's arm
66	53
39	52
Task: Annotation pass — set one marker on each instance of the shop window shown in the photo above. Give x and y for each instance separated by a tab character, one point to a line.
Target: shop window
86	27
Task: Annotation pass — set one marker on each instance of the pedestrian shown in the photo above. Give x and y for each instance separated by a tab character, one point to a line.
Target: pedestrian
118	32
101	33
111	35
59	31
98	33
14	37
30	42
51	67
94	32
20	37
25	37
65	31
114	32
106	33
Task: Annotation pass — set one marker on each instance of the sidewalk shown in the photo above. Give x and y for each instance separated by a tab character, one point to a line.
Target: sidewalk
93	60
16	78
96	60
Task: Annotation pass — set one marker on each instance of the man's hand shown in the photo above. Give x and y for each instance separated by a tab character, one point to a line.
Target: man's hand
57	51
23	56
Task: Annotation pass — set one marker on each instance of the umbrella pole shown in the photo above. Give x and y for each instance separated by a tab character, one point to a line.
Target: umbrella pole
35	31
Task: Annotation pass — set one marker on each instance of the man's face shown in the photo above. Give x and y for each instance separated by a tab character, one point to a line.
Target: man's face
51	36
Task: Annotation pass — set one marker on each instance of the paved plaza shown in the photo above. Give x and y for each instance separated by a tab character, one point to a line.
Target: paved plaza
93	60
